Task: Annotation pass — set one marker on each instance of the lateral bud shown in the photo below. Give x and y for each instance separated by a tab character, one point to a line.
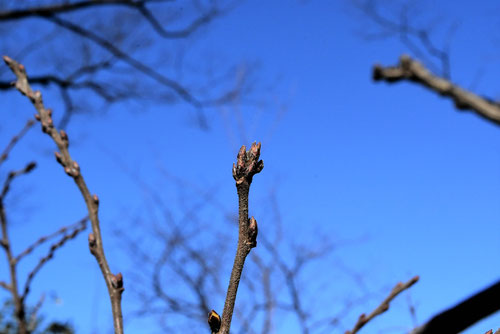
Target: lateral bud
95	199
214	321
37	117
58	157
64	137
253	230
117	281
92	241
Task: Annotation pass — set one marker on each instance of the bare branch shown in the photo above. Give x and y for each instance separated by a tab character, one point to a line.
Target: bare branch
465	314
411	70
15	139
247	165
66	7
5	286
384	306
45	238
82	225
114	283
115	51
12	175
19	307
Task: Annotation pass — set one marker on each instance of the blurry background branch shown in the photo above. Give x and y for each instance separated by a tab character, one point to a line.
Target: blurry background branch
26	319
104	46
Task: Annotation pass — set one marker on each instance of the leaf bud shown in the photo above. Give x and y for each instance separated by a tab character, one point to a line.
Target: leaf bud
214	321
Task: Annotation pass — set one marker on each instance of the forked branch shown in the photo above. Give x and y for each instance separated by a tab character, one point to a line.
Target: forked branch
384	306
114	283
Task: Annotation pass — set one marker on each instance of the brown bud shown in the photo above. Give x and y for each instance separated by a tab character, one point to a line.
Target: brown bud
69	171
76	166
64	137
117	281
247	164
254	151
58	157
214	321
21	67
241	157
253	230
92	241
37	117
49	112
7	59
95	199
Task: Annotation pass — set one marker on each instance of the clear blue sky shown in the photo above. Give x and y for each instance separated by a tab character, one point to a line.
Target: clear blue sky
411	186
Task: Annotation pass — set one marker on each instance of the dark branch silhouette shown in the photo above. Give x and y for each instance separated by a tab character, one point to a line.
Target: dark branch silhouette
463	315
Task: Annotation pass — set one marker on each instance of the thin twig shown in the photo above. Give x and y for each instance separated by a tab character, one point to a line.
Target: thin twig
114	283
384	306
19	307
82	225
247	165
5	286
45	238
15	139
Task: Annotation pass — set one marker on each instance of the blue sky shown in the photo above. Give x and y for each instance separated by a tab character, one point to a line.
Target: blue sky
405	183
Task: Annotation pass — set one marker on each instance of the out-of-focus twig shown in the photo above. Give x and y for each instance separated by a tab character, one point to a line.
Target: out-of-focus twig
384	306
14	140
45	238
80	226
19	307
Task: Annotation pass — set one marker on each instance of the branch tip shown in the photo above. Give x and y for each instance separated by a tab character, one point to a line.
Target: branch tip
247	164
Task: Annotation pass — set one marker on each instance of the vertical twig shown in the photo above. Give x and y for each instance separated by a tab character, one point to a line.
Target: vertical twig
247	165
114	283
19	307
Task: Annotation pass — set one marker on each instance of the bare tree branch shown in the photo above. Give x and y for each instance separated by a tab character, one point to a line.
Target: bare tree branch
66	7
114	283
15	139
411	70
465	314
45	238
19	307
81	226
247	165
384	306
115	51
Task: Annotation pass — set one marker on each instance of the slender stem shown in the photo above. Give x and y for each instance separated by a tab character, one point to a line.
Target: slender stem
247	165
19	310
114	283
243	249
